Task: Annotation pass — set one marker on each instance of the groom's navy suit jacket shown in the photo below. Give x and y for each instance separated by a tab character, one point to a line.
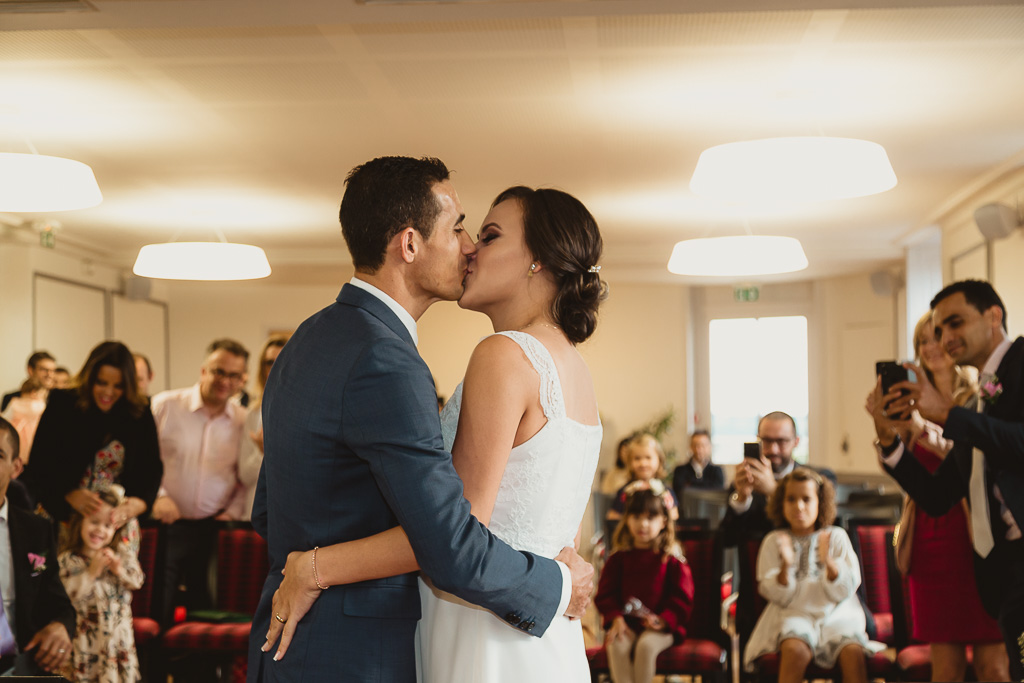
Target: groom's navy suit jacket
999	433
353	447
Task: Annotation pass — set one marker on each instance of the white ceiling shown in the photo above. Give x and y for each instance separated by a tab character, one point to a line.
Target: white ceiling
245	115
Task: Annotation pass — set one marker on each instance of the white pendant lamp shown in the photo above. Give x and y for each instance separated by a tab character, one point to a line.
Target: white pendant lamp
35	182
737	256
202	261
792	170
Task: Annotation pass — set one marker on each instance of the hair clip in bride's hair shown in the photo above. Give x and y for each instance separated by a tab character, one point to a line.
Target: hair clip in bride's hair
594	269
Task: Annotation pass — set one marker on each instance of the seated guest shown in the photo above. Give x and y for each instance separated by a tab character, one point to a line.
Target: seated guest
645	461
809	574
618	476
41	366
698	472
746	516
37	616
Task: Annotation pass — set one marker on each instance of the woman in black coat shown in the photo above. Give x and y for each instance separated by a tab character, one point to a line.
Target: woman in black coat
98	433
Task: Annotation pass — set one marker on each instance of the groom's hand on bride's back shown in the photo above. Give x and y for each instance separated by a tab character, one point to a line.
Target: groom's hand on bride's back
582	581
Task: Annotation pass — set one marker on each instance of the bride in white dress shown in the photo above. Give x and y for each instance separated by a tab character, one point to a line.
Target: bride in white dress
523	429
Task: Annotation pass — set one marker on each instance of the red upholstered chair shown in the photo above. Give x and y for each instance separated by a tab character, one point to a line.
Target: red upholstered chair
146	628
242	566
704	652
872	541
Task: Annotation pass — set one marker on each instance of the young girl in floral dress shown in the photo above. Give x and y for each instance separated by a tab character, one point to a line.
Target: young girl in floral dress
100	568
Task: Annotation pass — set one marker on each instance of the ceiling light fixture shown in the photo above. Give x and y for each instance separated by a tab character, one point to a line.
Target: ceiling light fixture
202	261
792	170
737	256
35	182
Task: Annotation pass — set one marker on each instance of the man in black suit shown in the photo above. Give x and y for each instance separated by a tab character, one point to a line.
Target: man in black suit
986	463
745	517
698	472
43	615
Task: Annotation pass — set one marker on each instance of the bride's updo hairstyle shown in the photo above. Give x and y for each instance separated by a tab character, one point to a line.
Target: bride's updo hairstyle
564	238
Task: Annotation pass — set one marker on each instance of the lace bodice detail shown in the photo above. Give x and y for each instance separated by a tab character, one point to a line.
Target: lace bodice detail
544	491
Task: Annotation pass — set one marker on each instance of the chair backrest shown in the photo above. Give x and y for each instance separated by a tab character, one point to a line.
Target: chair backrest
873	550
703	554
242	566
142	599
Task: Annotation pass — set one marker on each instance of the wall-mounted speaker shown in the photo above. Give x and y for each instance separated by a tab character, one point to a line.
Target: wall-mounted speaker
996	221
885	282
136	287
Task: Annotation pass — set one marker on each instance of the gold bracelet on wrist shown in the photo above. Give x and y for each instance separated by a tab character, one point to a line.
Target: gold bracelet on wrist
316	577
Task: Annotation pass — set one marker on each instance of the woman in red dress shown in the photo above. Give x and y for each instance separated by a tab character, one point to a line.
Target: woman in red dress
945	608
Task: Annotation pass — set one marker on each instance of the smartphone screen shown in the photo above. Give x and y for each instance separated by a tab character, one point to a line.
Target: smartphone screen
752	450
891	372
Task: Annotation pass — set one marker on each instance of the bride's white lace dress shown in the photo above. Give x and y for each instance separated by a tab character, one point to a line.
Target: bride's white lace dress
541	501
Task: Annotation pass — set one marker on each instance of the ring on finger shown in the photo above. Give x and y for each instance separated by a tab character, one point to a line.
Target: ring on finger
278	617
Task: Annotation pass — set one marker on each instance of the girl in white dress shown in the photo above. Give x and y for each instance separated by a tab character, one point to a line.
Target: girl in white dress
525	436
809	574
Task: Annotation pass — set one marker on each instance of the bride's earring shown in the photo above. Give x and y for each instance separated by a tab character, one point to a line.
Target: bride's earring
533	267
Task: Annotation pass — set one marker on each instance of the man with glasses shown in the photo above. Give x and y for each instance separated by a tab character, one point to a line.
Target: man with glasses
41	367
201	432
746	518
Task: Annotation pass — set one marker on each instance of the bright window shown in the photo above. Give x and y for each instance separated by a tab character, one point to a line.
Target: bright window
757	365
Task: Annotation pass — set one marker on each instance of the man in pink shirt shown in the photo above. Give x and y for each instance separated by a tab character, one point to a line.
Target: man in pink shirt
201	433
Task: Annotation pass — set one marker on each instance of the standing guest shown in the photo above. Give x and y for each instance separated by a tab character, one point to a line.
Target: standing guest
647	565
944	604
61	378
143	374
41	366
24	412
100	569
201	432
646	465
984	464
251	457
35	609
618	476
698	472
95	434
809	574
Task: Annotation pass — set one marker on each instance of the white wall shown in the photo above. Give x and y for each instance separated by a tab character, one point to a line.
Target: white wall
246	311
19	265
960	233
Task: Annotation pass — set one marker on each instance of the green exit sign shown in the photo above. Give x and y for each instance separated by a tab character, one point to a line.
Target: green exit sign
746	294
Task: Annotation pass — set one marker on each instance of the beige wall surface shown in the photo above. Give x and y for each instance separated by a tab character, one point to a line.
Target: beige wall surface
960	234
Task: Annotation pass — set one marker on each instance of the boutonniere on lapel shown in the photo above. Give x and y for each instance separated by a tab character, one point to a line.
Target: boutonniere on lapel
38	563
991	390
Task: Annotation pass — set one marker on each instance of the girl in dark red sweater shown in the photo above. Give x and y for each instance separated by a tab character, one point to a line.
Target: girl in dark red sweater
646	590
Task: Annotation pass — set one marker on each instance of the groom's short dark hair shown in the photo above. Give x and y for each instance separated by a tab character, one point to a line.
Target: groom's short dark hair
383	197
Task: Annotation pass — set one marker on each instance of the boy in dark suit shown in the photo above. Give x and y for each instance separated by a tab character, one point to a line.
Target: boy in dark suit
43	614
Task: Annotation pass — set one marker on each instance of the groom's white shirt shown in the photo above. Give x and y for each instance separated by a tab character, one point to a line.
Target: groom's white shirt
410	324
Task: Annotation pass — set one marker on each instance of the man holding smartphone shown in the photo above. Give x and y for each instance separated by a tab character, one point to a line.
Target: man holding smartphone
746	517
986	463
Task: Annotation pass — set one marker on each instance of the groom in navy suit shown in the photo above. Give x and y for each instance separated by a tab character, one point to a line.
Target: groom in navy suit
353	447
986	464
